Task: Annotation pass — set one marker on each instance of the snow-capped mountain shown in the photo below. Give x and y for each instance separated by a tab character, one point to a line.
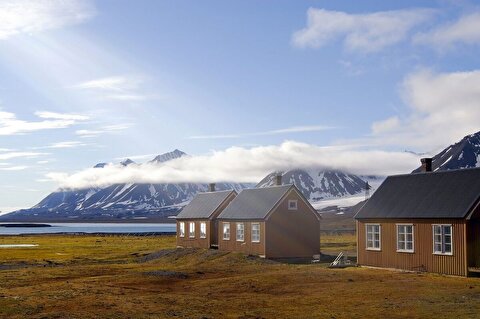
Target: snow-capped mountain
463	154
318	185
168	156
124	200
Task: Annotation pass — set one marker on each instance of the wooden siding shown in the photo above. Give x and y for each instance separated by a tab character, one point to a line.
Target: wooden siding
214	225
196	242
246	246
422	259
292	233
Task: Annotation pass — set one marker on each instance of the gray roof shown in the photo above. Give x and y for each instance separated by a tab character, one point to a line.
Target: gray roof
254	203
204	205
448	194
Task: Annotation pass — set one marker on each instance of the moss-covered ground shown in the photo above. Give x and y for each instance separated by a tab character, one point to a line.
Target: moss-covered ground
147	277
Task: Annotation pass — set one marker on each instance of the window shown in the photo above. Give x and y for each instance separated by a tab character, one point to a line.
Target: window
240	232
442	239
226	231
373	236
292	204
203	230
182	229
405	238
191	232
255	232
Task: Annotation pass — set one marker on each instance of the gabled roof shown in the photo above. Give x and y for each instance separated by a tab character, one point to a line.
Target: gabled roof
203	205
447	194
254	203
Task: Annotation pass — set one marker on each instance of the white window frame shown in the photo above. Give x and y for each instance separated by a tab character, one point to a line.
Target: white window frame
191	230
405	242
373	240
255	237
442	240
292	204
226	235
181	229
203	230
240	231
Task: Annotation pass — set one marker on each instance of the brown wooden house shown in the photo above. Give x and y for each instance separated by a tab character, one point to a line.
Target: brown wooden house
196	223
427	221
272	222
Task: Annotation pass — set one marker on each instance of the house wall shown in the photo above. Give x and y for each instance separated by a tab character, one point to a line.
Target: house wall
214	223
422	258
246	246
292	233
473	240
196	242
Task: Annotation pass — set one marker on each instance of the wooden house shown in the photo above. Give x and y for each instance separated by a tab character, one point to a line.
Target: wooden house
272	222
428	221
196	223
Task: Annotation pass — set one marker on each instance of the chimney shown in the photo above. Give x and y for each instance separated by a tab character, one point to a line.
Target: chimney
426	164
211	187
278	179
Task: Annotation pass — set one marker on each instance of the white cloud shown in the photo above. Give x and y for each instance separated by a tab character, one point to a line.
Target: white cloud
66	144
10	155
107	129
443	108
32	16
360	32
465	30
61	116
10	125
120	88
242	165
113	83
294	129
13	168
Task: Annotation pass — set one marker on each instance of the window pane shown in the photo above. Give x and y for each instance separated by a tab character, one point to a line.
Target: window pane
448	248
447	230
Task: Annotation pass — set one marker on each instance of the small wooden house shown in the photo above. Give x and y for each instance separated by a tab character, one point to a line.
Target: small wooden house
196	223
272	222
427	221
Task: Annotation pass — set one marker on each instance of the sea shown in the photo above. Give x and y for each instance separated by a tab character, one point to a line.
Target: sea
88	228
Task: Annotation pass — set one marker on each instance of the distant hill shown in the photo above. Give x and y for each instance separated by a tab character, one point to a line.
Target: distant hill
120	201
318	185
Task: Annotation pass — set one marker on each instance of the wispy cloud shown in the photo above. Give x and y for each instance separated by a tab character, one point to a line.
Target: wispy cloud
121	88
65	144
10	125
242	165
466	30
107	129
10	155
14	168
33	16
61	116
369	32
294	129
113	83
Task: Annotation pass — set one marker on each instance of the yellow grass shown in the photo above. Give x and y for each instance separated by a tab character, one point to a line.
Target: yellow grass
115	277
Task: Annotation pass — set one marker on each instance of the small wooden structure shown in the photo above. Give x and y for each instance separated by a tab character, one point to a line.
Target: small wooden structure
197	224
272	222
428	221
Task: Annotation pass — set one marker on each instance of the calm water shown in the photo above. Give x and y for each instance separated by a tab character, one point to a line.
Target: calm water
89	228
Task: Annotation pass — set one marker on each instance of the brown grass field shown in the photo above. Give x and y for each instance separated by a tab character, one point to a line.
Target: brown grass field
139	277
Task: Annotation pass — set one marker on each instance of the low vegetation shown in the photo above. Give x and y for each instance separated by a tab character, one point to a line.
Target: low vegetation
147	277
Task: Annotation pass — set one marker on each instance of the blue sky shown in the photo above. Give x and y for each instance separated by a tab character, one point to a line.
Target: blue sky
347	83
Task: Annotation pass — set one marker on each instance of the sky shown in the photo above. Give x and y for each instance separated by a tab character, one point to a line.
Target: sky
244	87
